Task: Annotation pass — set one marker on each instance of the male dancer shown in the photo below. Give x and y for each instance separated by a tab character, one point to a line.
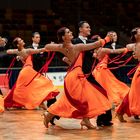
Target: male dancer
114	44
88	59
38	61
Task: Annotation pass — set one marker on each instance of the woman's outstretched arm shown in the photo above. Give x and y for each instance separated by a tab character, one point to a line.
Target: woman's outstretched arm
35	51
131	46
97	44
12	51
53	47
101	52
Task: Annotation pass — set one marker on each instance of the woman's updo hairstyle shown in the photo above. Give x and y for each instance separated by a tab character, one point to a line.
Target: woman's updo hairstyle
133	33
15	42
60	33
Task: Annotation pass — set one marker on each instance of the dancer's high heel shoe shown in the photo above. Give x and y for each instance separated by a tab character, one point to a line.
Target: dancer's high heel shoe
87	124
121	118
47	117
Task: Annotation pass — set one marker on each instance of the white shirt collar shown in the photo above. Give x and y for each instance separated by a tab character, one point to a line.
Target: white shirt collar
83	38
35	46
113	45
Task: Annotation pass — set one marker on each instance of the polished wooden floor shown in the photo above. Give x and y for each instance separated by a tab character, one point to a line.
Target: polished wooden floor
28	125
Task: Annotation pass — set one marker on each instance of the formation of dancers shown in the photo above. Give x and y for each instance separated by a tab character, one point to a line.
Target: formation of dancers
90	88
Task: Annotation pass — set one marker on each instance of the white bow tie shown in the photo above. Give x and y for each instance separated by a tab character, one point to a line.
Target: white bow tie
35	45
113	45
84	38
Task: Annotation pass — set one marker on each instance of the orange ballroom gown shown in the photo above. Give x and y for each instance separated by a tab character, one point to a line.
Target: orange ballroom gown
116	90
30	89
80	98
134	94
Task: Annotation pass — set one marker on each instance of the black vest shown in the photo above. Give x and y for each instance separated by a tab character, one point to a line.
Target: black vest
38	59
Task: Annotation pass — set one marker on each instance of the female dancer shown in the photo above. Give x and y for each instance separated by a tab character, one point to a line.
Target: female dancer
75	102
31	88
131	104
116	90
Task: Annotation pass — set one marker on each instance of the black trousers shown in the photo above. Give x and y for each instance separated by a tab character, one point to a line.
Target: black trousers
51	101
103	119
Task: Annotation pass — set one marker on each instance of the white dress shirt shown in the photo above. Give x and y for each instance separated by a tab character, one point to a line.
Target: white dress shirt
113	45
35	46
84	39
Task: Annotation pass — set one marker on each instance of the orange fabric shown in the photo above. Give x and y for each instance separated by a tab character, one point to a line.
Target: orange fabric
102	42
134	94
81	98
107	39
1	104
116	89
4	81
33	94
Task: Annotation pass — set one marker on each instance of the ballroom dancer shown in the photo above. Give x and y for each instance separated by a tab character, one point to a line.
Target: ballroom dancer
75	102
31	88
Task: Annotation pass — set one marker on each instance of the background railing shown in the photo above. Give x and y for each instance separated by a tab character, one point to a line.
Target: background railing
122	72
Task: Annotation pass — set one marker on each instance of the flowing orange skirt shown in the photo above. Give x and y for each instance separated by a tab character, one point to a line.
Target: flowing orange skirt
1	104
81	99
31	94
116	90
134	94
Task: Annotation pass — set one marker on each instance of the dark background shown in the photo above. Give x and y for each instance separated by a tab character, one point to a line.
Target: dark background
22	17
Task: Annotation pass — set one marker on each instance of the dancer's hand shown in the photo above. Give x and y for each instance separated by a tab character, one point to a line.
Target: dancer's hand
101	52
66	60
110	35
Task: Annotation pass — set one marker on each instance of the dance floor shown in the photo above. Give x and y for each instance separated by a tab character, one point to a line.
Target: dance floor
28	125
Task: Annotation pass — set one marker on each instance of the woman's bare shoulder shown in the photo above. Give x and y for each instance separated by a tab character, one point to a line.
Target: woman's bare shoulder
130	46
